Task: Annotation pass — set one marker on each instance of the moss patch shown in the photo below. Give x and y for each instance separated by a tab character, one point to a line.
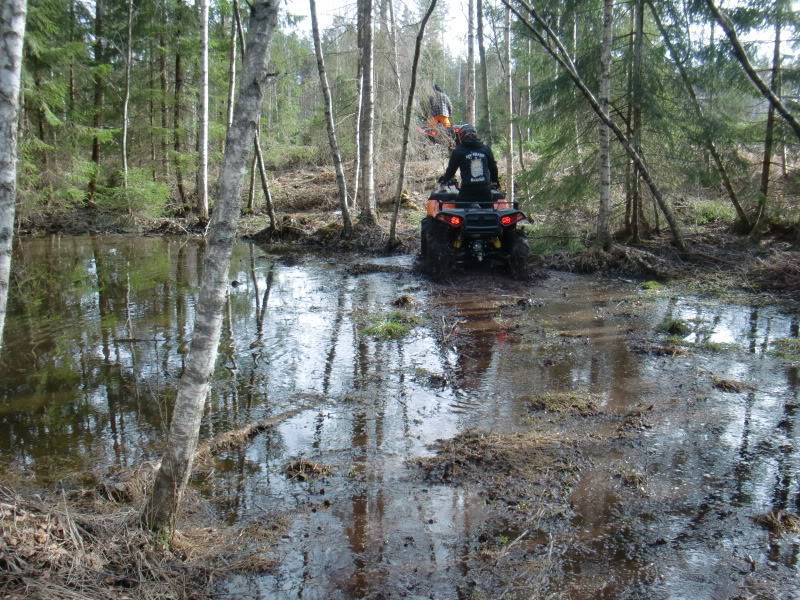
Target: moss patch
651	285
392	325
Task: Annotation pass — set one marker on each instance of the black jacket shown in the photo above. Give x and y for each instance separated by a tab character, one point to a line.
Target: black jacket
476	163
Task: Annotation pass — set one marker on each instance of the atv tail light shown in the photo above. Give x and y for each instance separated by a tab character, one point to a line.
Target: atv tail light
507	220
452	220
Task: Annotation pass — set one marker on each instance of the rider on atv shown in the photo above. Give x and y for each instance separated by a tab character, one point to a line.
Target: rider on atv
476	164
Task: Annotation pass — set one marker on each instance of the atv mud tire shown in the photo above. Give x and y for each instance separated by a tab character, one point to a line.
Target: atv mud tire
425	226
518	255
438	257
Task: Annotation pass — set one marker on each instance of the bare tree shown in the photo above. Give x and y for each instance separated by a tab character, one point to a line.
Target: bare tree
202	166
486	117
741	56
470	85
407	122
127	99
12	30
359	116
368	207
604	213
698	112
329	121
162	505
509	108
553	46
231	74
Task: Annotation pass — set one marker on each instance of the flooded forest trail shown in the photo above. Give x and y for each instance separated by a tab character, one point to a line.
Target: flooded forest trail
569	437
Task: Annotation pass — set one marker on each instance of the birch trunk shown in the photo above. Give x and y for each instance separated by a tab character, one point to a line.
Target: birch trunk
396	60
202	167
162	505
470	92
407	123
741	56
510	108
604	212
126	102
12	29
486	117
560	55
359	104
329	121
368	208
698	112
97	117
776	89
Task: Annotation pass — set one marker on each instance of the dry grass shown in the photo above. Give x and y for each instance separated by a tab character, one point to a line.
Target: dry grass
85	546
780	272
580	402
731	385
302	469
779	522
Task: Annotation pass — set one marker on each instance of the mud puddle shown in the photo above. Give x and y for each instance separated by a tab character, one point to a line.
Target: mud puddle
547	439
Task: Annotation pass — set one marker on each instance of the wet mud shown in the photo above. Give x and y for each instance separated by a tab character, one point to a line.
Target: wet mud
543	439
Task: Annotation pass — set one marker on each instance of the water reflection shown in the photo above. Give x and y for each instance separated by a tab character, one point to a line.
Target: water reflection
95	343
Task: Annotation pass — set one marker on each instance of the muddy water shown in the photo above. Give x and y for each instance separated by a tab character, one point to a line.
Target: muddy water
95	341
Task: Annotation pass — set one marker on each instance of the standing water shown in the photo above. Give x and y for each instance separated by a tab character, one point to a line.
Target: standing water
96	338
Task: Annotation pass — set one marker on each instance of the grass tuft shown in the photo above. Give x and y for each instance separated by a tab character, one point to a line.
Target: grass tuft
674	327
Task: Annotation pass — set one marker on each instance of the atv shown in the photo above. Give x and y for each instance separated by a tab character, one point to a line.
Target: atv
457	231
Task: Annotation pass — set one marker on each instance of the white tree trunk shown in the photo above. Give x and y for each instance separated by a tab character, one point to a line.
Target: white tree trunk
470	93
231	74
396	60
126	102
510	109
407	122
604	213
329	121
359	105
12	29
176	465
202	179
368	208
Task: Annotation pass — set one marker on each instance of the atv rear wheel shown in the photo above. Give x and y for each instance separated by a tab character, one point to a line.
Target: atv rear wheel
438	258
518	254
424	227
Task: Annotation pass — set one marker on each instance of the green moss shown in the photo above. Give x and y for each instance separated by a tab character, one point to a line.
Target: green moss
674	327
651	285
393	325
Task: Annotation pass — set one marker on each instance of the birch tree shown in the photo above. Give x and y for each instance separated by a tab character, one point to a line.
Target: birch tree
330	123
368	207
604	213
407	122
99	90
127	99
202	167
12	29
173	475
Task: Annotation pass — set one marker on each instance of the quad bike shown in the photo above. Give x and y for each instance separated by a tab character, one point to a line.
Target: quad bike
456	231
439	134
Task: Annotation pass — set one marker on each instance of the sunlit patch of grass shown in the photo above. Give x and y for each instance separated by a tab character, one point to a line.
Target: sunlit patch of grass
392	325
651	285
703	212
